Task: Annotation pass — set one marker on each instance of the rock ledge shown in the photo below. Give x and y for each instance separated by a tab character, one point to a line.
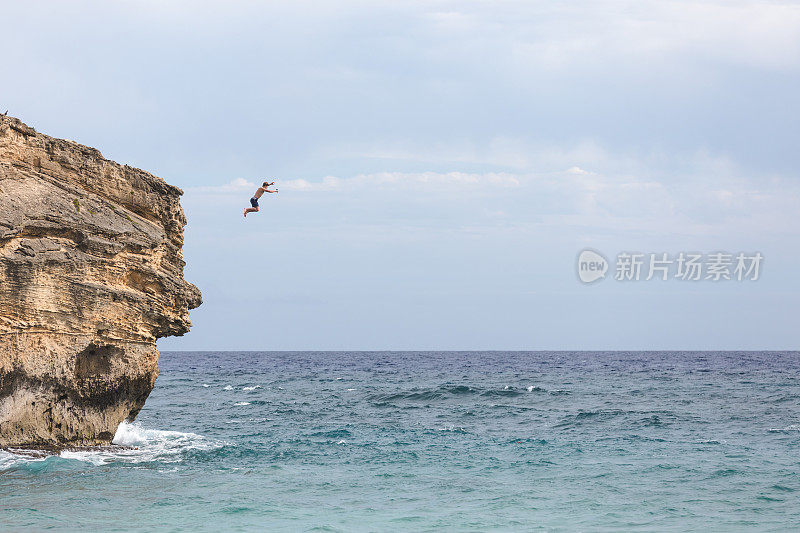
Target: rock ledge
91	274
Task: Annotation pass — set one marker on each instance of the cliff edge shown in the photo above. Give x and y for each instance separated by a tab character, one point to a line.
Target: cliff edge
91	274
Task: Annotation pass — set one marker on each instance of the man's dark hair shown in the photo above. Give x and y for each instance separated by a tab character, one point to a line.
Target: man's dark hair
264	184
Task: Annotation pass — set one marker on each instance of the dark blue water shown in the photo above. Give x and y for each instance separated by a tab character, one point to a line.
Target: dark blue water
419	441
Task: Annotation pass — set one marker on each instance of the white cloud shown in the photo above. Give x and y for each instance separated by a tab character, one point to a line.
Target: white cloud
503	152
681	194
560	35
234	186
576	170
422	181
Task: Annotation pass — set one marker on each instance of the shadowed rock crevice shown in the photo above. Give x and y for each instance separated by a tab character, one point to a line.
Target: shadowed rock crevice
91	274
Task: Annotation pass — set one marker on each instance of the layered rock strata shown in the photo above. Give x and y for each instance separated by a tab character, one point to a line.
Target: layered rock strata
91	274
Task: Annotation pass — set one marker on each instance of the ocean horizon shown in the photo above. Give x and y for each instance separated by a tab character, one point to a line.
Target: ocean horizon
376	441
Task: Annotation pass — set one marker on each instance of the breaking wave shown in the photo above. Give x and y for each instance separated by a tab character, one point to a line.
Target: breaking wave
133	444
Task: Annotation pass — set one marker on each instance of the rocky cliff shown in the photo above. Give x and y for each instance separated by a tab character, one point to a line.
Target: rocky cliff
91	274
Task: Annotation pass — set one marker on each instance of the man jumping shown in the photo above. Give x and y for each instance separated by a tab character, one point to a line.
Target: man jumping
259	193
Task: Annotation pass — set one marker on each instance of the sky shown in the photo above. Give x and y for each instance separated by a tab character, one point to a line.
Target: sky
441	164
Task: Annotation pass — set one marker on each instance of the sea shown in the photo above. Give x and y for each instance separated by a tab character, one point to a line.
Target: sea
444	441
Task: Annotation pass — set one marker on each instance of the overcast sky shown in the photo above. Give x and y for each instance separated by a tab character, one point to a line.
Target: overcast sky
441	164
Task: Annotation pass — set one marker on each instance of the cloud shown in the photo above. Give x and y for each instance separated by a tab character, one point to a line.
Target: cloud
677	194
577	170
561	35
499	152
234	186
420	181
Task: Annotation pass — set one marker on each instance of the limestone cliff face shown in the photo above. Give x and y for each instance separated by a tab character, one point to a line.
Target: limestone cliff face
91	274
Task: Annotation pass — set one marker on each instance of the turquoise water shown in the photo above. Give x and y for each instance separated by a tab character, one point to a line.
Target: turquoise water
421	441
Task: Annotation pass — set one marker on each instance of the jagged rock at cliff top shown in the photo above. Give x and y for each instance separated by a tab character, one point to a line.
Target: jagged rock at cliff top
91	274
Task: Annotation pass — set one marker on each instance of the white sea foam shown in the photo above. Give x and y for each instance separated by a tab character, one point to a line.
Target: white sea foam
97	458
241	404
791	427
133	434
227	387
9	460
149	444
206	385
143	445
453	428
252	388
